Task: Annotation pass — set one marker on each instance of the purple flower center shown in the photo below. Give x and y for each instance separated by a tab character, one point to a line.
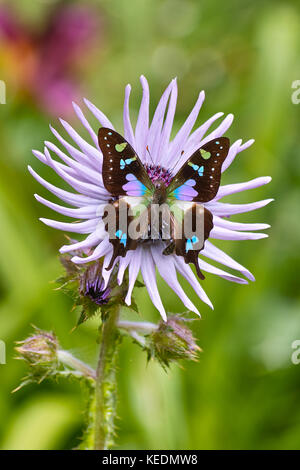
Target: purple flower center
157	172
95	291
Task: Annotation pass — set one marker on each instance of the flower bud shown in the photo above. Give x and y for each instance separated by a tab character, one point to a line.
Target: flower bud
41	349
173	341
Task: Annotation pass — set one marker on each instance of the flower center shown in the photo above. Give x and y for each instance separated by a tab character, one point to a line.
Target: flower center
94	290
157	172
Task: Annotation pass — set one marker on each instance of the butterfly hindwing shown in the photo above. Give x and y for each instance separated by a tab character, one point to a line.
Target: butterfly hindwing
199	178
126	223
191	226
123	172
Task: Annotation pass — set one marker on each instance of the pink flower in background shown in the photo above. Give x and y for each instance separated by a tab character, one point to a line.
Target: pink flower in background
46	65
81	167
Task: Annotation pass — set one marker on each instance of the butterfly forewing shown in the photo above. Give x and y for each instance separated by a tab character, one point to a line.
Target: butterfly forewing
199	178
123	172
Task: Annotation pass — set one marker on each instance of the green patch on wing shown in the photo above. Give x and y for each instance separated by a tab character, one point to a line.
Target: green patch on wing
204	154
120	147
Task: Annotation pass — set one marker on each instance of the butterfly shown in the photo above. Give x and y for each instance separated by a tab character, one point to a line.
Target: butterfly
184	223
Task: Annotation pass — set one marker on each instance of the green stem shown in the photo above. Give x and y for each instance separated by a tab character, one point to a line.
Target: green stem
66	358
105	386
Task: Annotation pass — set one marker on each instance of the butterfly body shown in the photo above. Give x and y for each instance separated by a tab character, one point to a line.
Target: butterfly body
157	205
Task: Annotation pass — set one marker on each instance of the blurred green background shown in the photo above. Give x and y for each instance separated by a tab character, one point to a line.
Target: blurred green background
244	391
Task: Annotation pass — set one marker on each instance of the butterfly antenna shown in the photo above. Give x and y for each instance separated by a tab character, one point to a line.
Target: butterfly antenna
150	155
171	169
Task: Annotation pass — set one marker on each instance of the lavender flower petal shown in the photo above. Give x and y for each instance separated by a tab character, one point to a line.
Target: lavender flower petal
154	135
219	272
128	131
86	212
177	145
142	126
76	200
104	121
90	241
233	153
225	234
223	209
102	249
80	227
214	253
148	273
238	187
164	142
133	271
218	221
167	271
86	124
186	271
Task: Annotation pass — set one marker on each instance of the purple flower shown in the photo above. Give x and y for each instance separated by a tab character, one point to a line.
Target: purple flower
80	166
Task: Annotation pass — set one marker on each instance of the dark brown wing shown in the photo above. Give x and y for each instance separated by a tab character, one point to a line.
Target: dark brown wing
123	172
199	178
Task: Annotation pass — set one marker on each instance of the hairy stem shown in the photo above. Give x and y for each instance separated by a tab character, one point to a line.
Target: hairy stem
105	387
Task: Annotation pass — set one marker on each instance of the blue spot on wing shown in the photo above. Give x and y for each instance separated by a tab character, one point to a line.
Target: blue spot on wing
134	187
122	236
185	192
190	243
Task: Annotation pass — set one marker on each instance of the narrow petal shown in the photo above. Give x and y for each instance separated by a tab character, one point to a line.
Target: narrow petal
226	210
41	157
86	124
219	131
82	171
148	273
234	150
86	188
86	148
218	221
238	187
102	249
154	134
185	270
219	272
81	227
86	212
76	200
178	144
104	121
77	154
123	263
142	125
164	141
90	241
128	131
133	271
105	272
166	268
225	234
212	252
193	142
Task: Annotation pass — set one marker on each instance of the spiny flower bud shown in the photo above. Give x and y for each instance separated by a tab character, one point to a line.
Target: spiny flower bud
41	348
45	358
173	341
85	284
